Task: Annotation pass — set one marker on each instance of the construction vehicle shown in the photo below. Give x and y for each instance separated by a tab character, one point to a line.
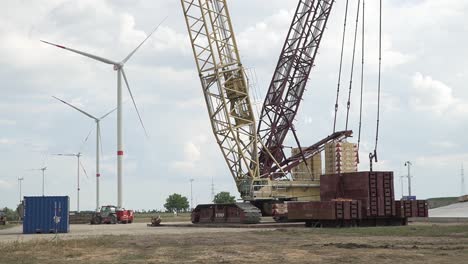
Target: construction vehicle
111	214
255	154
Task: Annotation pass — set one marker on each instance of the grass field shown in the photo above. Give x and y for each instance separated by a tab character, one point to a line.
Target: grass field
441	201
6	226
412	244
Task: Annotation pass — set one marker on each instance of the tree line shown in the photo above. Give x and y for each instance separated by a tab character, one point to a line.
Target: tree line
177	203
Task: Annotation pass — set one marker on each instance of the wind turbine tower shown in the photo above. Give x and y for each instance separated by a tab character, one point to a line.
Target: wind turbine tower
119	68
98	142
79	165
43	169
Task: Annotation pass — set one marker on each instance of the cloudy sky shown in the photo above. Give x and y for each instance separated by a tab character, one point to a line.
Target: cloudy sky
424	100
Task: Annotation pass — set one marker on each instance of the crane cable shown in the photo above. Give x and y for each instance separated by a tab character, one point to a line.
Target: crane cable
341	66
352	65
373	156
362	74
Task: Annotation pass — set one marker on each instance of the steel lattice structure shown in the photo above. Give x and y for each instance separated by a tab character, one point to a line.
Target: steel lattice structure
289	80
224	86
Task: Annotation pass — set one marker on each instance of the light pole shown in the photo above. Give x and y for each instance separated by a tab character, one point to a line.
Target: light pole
409	164
191	194
19	183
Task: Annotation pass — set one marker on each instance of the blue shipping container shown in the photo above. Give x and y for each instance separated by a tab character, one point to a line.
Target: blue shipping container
46	214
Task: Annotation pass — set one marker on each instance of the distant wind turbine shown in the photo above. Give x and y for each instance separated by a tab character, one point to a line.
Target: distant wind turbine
98	142
118	66
43	169
79	166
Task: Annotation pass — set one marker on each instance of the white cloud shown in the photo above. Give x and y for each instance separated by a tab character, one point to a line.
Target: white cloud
435	96
6	122
7	141
192	155
443	144
265	37
5	185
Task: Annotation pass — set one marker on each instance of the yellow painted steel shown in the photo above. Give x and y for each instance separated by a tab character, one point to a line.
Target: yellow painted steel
225	87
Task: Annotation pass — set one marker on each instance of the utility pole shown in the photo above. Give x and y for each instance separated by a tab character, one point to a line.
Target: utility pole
402	186
212	190
78	183
19	183
409	164
463	191
191	194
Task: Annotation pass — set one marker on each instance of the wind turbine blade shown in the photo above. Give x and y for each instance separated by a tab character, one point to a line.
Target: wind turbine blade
83	53
84	170
86	139
135	50
134	103
76	108
44	159
67	155
110	112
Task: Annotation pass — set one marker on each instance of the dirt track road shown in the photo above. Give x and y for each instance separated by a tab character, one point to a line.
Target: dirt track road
89	231
137	243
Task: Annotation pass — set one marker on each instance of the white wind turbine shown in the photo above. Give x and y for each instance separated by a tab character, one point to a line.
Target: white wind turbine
79	165
98	142
43	169
118	66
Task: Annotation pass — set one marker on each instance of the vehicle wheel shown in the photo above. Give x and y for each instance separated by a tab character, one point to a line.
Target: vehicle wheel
280	219
113	219
96	220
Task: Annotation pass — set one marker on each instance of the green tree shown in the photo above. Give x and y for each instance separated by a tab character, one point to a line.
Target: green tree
11	215
224	197
176	203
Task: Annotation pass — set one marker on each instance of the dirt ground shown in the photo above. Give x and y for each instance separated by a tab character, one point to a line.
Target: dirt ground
136	243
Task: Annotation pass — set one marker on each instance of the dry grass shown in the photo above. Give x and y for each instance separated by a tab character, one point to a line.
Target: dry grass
9	225
426	244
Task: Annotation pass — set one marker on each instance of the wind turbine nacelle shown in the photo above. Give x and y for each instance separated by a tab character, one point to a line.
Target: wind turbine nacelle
118	66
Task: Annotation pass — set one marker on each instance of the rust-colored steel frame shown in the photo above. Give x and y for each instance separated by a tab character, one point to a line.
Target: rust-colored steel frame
289	80
277	170
225	87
